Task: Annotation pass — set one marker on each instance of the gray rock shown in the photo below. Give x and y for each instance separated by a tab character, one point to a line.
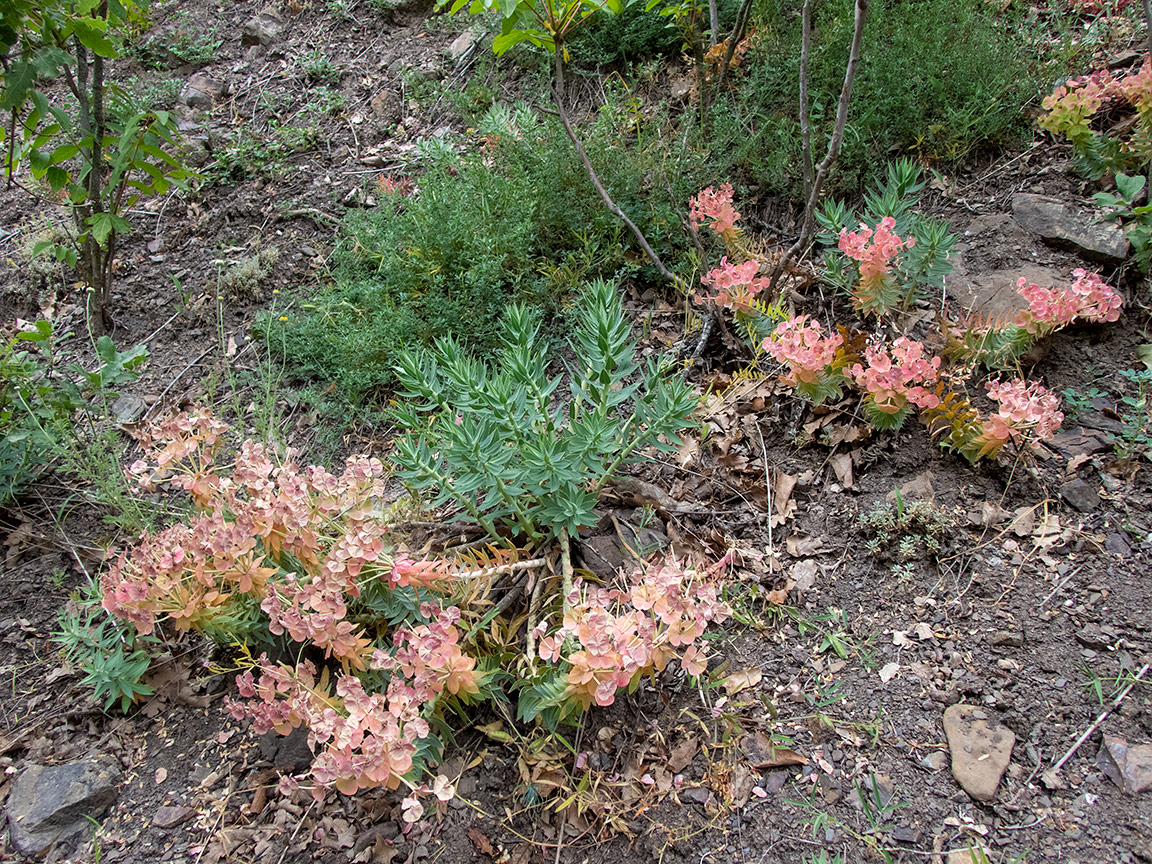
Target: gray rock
1066	227
464	44
1129	767
202	92
170	817
935	761
264	29
128	409
1007	639
287	752
1081	494
981	749
50	804
1118	545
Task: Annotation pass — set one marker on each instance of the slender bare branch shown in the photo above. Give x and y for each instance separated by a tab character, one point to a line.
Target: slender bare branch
559	96
805	118
833	145
742	16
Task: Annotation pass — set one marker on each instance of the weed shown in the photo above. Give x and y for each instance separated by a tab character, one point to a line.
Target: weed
517	221
940	80
186	42
242	280
905	532
318	69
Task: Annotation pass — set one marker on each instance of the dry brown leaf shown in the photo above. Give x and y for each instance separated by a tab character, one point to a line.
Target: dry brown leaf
804	574
842	465
761	753
687	452
742	680
782	486
683	754
889	671
483	844
741	785
803	545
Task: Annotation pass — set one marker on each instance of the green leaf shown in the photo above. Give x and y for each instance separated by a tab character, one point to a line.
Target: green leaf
18	82
103	225
1129	186
1144	352
90	32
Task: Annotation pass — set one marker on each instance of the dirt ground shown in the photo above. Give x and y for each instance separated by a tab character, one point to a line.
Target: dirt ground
1035	608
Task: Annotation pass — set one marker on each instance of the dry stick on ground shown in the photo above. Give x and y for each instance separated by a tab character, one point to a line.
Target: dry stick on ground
566	569
834	144
1103	715
503	568
559	96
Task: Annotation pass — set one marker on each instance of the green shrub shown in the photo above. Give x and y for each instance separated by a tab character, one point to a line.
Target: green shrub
633	35
517	220
940	79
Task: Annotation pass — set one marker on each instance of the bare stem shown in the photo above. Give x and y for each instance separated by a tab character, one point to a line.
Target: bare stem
558	95
742	16
833	145
566	568
805	119
714	23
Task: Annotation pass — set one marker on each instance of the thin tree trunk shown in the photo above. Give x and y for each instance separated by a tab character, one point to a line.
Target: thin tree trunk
742	16
833	145
1148	26
559	96
805	118
714	23
102	271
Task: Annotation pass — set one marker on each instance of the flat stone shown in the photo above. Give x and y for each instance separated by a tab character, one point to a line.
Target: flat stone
972	855
1066	227
287	752
1007	639
202	92
128	409
935	761
170	817
1118	545
51	804
981	748
263	30
1129	767
1081	494
464	43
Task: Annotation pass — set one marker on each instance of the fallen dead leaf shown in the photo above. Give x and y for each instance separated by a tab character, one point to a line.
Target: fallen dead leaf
888	671
761	753
803	545
741	784
804	574
842	465
683	754
782	486
483	844
742	680
923	631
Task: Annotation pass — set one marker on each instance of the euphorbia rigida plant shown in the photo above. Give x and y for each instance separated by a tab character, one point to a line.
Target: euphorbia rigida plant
507	449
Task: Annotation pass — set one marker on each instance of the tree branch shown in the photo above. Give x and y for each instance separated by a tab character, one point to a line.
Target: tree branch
558	95
805	118
742	16
833	145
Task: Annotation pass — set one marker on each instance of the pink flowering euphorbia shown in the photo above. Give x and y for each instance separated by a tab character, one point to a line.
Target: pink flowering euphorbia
1028	414
875	251
736	285
893	381
622	635
1089	298
714	206
808	355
